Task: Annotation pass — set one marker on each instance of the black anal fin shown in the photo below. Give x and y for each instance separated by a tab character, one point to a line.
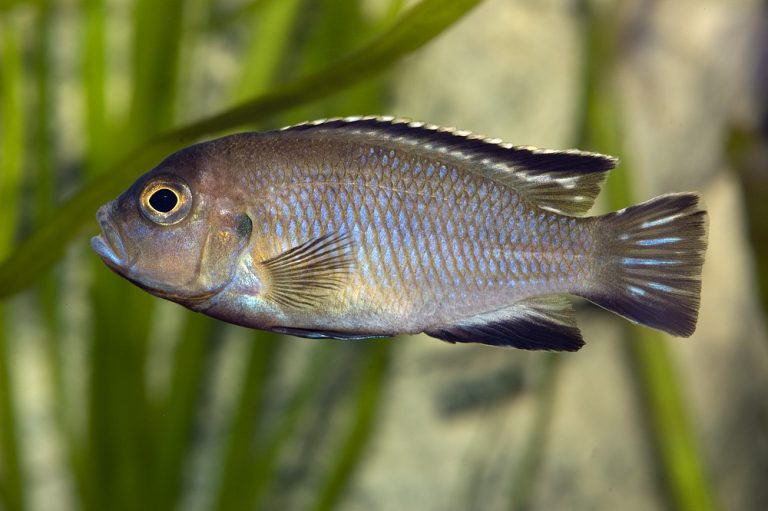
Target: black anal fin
304	275
541	323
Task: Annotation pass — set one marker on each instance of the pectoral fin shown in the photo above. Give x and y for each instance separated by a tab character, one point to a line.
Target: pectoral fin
542	323
306	274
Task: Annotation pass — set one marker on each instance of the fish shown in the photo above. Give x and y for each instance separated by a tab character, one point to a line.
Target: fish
364	227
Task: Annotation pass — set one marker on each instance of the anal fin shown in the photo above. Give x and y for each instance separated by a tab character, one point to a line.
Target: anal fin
541	323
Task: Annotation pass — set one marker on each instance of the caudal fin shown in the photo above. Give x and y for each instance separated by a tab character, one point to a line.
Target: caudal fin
652	275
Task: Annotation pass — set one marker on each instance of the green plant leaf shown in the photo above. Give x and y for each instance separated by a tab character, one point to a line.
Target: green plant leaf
362	425
268	47
175	412
7	5
12	496
45	245
235	480
156	47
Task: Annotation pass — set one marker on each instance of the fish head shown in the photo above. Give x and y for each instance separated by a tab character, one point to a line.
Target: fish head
175	233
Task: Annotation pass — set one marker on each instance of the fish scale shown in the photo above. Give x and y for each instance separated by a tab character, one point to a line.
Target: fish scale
364	227
428	207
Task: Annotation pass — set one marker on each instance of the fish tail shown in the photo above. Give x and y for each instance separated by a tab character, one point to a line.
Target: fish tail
652	274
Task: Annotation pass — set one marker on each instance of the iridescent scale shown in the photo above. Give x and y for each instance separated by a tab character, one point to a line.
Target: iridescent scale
428	238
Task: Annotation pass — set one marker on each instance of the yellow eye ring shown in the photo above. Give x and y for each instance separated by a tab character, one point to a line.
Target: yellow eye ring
166	200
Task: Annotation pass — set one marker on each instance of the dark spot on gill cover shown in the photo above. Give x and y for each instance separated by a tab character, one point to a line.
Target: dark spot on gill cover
244	226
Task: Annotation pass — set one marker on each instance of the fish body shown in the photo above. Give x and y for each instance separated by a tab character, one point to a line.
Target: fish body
367	227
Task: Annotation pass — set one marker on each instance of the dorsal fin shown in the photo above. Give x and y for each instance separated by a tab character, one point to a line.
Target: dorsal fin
563	181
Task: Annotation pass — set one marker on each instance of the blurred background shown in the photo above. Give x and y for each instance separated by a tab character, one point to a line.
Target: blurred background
113	399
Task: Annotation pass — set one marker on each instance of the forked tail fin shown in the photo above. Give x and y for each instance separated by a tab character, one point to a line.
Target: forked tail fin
652	272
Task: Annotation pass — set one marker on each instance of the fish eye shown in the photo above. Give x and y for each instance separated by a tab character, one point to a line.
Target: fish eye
165	200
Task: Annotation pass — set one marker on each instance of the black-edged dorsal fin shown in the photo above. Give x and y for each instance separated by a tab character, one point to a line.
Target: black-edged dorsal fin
563	181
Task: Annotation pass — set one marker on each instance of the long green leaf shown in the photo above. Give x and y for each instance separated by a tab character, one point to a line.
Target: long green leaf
362	427
11	160
174	435
235	480
6	5
156	47
44	247
747	150
93	17
267	48
49	290
12	497
323	39
12	131
45	181
263	466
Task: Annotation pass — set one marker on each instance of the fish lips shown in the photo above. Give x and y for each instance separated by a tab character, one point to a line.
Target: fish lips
109	244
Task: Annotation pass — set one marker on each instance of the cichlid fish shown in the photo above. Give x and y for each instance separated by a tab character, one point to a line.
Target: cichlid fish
370	227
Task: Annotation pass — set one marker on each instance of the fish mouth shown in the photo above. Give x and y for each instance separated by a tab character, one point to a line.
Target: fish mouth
109	245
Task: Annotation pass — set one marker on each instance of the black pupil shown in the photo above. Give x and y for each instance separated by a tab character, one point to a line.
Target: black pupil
163	200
